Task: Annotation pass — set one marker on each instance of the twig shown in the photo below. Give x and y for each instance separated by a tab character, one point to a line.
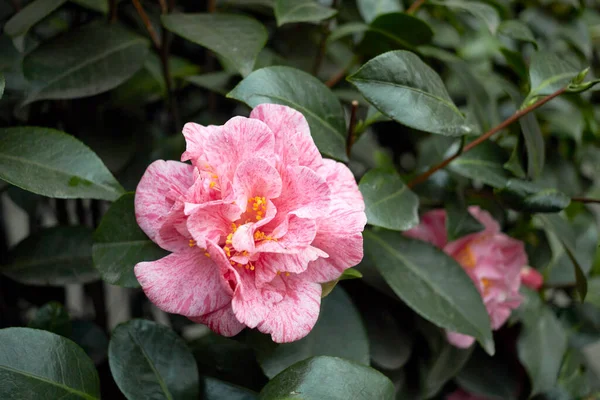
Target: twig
351	127
336	78
163	6
414	7
585	200
164	60
424	176
212	6
147	23
323	44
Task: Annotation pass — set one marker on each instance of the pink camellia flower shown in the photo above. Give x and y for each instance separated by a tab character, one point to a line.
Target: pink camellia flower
255	223
491	259
531	278
460	394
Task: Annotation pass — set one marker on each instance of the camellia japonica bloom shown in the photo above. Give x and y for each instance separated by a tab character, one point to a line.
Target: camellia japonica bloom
493	261
255	224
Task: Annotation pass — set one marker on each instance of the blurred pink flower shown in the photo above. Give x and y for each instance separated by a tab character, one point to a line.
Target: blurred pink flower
255	224
460	394
492	260
531	278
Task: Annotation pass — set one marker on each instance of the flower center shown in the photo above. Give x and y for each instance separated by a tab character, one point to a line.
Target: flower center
466	258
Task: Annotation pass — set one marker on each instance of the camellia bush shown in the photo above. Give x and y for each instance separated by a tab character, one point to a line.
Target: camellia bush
299	199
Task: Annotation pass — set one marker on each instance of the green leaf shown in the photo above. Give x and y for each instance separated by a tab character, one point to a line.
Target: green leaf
320	378
389	203
214	81
289	11
460	222
534	144
593	296
100	6
237	38
483	163
489	377
52	163
2	84
482	11
514	163
548	73
18	26
91	338
393	31
407	90
339	332
144	351
444	366
302	91
119	244
371	9
390	342
52	317
215	389
431	283
516	30
541	347
350	28
40	365
348	274
84	62
54	256
526	196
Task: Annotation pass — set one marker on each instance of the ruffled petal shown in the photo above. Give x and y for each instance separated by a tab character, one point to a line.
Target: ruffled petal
222	321
432	228
459	340
269	265
196	137
342	183
161	187
250	304
187	283
256	177
211	222
491	226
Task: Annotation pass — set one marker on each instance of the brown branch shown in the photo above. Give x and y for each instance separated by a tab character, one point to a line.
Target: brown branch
147	23
351	127
414	7
336	78
163	6
585	200
212	6
424	176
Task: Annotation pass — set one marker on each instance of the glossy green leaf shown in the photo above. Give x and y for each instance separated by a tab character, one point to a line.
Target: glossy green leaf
371	9
534	144
237	38
289	11
526	196
492	378
299	90
517	30
214	389
484	12
144	351
541	347
431	283
321	378
93	59
36	364
339	332
350	28
52	163
483	163
395	31
548	73
18	26
52	317
119	244
407	90
459	222
389	203
444	366
54	256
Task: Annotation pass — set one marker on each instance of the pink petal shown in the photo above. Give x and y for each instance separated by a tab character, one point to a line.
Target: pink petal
295	315
221	321
531	278
196	137
293	234
173	234
342	183
250	304
293	141
256	177
269	265
459	340
491	225
162	185
432	228
187	283
211	222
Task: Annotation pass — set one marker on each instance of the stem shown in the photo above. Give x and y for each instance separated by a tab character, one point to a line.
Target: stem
323	44
336	78
586	200
351	127
163	6
414	7
424	176
212	6
147	23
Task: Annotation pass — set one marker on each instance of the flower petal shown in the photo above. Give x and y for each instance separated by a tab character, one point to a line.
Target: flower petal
196	137
211	222
221	321
187	283
256	177
459	340
432	228
161	186
250	304
485	218
269	265
342	183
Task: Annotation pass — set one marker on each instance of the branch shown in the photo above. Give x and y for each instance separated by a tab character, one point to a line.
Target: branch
351	126
336	78
147	23
212	6
415	7
164	60
323	44
585	200
424	176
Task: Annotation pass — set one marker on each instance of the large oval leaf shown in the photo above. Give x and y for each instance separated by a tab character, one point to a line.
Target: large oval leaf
119	244
288	11
484	12
492	378
145	352
483	163
548	73
407	90
395	31
431	283
371	9
54	256
18	26
302	91
84	62
36	364
322	378
339	332
215	389
389	203
52	163
237	38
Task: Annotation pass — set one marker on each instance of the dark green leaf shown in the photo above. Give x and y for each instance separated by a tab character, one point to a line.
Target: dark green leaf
52	317
52	163
18	26
91	338
517	30
489	377
526	196
144	351
593	296
460	222
483	163
299	90
407	90
548	73
371	9
119	244
348	274
40	365
84	62
389	203
486	13
54	256
534	144
541	347
515	60
214	389
339	332
289	11
100	6
514	163
395	31
237	38
431	283
350	28
390	342
444	366
321	378
214	81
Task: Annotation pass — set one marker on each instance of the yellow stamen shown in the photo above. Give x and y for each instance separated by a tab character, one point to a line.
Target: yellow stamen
287	274
466	258
192	243
212	184
206	254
